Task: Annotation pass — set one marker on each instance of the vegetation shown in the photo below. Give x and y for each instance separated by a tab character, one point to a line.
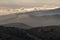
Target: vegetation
38	33
12	33
46	33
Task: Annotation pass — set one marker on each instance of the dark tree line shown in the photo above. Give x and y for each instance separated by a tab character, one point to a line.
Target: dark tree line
38	33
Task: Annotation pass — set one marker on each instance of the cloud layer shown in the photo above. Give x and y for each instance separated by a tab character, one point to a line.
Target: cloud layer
28	3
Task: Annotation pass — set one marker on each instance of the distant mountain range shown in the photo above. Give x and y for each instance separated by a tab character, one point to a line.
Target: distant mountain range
45	12
6	11
34	18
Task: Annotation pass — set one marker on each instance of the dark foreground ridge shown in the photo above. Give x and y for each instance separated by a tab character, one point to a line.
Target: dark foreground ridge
38	33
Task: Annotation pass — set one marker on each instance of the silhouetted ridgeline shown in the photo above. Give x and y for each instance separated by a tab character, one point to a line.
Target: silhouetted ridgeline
18	25
38	33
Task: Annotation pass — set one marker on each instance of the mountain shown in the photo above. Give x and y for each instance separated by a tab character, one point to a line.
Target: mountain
34	18
18	25
45	12
45	20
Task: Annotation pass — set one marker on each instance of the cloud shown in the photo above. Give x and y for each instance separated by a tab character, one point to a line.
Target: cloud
30	2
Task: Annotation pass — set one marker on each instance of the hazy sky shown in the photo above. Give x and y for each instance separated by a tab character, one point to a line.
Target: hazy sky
28	3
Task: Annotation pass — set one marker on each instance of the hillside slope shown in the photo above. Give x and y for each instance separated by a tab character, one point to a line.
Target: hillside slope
38	33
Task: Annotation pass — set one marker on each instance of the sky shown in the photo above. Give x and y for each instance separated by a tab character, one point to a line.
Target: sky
28	3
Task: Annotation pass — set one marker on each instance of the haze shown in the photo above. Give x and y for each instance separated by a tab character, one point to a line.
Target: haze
29	3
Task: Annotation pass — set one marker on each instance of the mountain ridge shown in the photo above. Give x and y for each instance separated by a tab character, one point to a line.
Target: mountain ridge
18	25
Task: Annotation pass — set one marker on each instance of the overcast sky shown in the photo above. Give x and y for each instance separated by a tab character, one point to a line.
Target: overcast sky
28	3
